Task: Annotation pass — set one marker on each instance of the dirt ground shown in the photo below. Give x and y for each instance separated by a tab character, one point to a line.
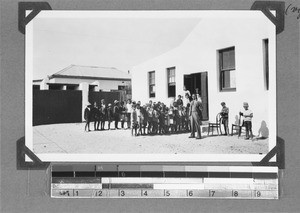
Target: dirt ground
71	138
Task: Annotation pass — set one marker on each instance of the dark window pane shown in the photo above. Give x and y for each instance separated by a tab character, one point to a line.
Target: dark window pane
171	90
266	62
228	59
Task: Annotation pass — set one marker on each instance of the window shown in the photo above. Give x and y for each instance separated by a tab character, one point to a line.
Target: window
171	82
266	62
227	69
152	84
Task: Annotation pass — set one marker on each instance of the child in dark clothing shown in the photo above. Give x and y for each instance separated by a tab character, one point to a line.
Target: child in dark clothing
134	120
155	119
122	113
116	113
150	118
95	116
161	120
224	116
87	117
143	120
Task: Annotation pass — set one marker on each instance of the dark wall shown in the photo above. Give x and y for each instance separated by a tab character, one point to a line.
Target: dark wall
56	106
109	97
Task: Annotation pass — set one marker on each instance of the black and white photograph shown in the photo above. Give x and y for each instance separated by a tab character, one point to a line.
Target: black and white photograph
151	86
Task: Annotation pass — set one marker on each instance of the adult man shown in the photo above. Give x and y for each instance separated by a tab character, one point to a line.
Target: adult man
195	116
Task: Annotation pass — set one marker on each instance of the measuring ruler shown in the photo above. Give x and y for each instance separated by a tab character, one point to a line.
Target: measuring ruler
156	181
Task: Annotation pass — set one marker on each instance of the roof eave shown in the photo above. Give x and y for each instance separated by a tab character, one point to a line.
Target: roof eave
89	77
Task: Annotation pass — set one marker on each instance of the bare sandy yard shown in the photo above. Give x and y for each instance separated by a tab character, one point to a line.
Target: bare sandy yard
71	138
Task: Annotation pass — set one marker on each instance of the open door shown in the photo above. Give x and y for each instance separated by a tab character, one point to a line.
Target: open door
197	83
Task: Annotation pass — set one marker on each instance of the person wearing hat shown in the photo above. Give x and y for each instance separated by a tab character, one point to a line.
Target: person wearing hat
116	112
247	114
224	117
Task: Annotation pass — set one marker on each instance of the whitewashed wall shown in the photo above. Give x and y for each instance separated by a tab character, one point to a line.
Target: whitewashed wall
199	53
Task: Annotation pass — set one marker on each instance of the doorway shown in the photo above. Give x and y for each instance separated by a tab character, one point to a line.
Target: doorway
197	83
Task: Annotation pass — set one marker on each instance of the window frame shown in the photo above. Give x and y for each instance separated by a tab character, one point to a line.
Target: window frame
171	83
222	70
151	84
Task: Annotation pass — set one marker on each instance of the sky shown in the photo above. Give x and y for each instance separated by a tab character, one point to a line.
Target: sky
122	43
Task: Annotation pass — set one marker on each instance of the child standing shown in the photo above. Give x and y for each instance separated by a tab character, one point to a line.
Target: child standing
224	116
103	114
116	111
95	116
109	115
87	117
247	114
150	118
134	120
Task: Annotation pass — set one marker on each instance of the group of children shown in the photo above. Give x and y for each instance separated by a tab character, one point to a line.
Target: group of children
150	118
154	118
157	118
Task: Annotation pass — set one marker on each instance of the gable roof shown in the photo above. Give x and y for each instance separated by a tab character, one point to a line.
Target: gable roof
78	71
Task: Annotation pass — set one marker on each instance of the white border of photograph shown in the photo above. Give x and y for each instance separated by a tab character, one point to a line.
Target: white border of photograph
144	157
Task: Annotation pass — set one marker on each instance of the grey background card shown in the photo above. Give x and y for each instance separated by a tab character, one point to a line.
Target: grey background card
28	190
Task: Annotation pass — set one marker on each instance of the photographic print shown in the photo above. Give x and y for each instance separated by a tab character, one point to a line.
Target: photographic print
150	86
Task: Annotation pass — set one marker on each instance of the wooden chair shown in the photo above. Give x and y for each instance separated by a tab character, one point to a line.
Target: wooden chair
217	125
237	127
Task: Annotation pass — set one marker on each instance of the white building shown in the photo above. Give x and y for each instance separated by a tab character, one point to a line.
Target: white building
87	79
97	79
227	57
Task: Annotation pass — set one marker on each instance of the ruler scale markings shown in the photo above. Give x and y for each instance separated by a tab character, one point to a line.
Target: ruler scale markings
169	181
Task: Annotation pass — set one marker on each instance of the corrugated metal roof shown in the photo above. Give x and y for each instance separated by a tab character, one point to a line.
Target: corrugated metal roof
92	71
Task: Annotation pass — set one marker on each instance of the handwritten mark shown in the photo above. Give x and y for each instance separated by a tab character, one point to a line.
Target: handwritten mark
292	9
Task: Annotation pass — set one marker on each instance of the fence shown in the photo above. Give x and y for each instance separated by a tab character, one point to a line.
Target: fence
56	106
